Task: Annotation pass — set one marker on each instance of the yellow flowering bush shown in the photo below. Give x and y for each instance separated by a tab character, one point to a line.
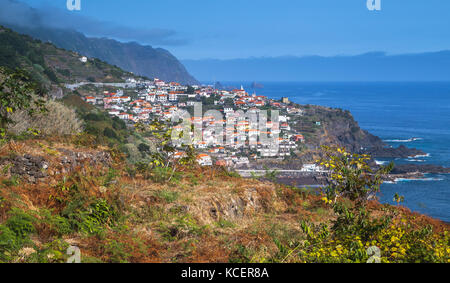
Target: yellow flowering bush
350	175
356	234
394	244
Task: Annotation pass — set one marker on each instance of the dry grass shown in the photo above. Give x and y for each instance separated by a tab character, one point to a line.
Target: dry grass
59	121
203	216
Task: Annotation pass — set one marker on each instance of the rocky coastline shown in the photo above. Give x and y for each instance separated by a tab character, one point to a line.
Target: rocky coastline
394	152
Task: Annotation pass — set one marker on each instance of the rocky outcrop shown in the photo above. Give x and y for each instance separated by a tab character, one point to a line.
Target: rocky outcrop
34	168
30	168
422	168
392	152
72	159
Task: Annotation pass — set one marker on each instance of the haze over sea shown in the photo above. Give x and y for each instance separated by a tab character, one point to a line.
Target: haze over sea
396	112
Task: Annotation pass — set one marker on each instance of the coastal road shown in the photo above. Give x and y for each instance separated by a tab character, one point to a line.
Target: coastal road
248	173
119	85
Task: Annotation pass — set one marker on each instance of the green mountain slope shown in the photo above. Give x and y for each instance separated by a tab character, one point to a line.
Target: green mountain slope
133	57
52	66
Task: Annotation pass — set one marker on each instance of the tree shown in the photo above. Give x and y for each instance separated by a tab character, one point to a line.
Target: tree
350	176
190	90
144	148
17	92
162	164
108	132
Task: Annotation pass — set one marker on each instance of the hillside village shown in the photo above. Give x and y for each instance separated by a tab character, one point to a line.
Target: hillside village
156	99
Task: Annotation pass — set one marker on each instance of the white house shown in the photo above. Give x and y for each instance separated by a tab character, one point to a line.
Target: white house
114	112
204	160
173	97
151	97
91	99
162	98
124	116
125	99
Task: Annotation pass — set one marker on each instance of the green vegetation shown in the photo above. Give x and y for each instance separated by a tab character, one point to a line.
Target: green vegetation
150	207
49	65
103	129
355	234
17	93
208	215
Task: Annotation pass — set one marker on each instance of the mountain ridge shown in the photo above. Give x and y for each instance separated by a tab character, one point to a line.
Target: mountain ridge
52	67
140	59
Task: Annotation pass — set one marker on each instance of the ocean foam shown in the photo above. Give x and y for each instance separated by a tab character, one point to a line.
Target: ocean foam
415	160
378	162
420	155
408	140
422	179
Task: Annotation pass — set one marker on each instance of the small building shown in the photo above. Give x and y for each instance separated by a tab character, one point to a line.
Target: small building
91	99
298	138
204	160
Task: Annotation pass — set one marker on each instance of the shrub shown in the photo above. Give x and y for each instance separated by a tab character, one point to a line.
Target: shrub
12	181
351	176
18	93
14	233
92	219
132	152
144	148
94	117
163	174
60	120
52	252
118	124
110	133
355	233
8	243
168	196
56	223
85	139
20	223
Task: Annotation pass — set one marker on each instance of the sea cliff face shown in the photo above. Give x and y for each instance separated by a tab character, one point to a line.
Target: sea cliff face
338	127
391	152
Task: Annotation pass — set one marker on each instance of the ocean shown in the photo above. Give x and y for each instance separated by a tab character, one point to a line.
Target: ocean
413	114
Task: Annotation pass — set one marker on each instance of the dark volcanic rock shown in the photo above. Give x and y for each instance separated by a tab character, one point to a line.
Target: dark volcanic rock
34	168
30	167
73	159
422	168
392	152
311	180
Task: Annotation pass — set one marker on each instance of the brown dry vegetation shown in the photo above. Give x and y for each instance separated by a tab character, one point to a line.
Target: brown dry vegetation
59	120
202	215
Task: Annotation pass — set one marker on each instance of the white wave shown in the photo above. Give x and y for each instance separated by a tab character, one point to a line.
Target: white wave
378	162
407	140
420	156
419	179
415	160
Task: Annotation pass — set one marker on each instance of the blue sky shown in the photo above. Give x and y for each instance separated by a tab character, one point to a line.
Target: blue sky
244	28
